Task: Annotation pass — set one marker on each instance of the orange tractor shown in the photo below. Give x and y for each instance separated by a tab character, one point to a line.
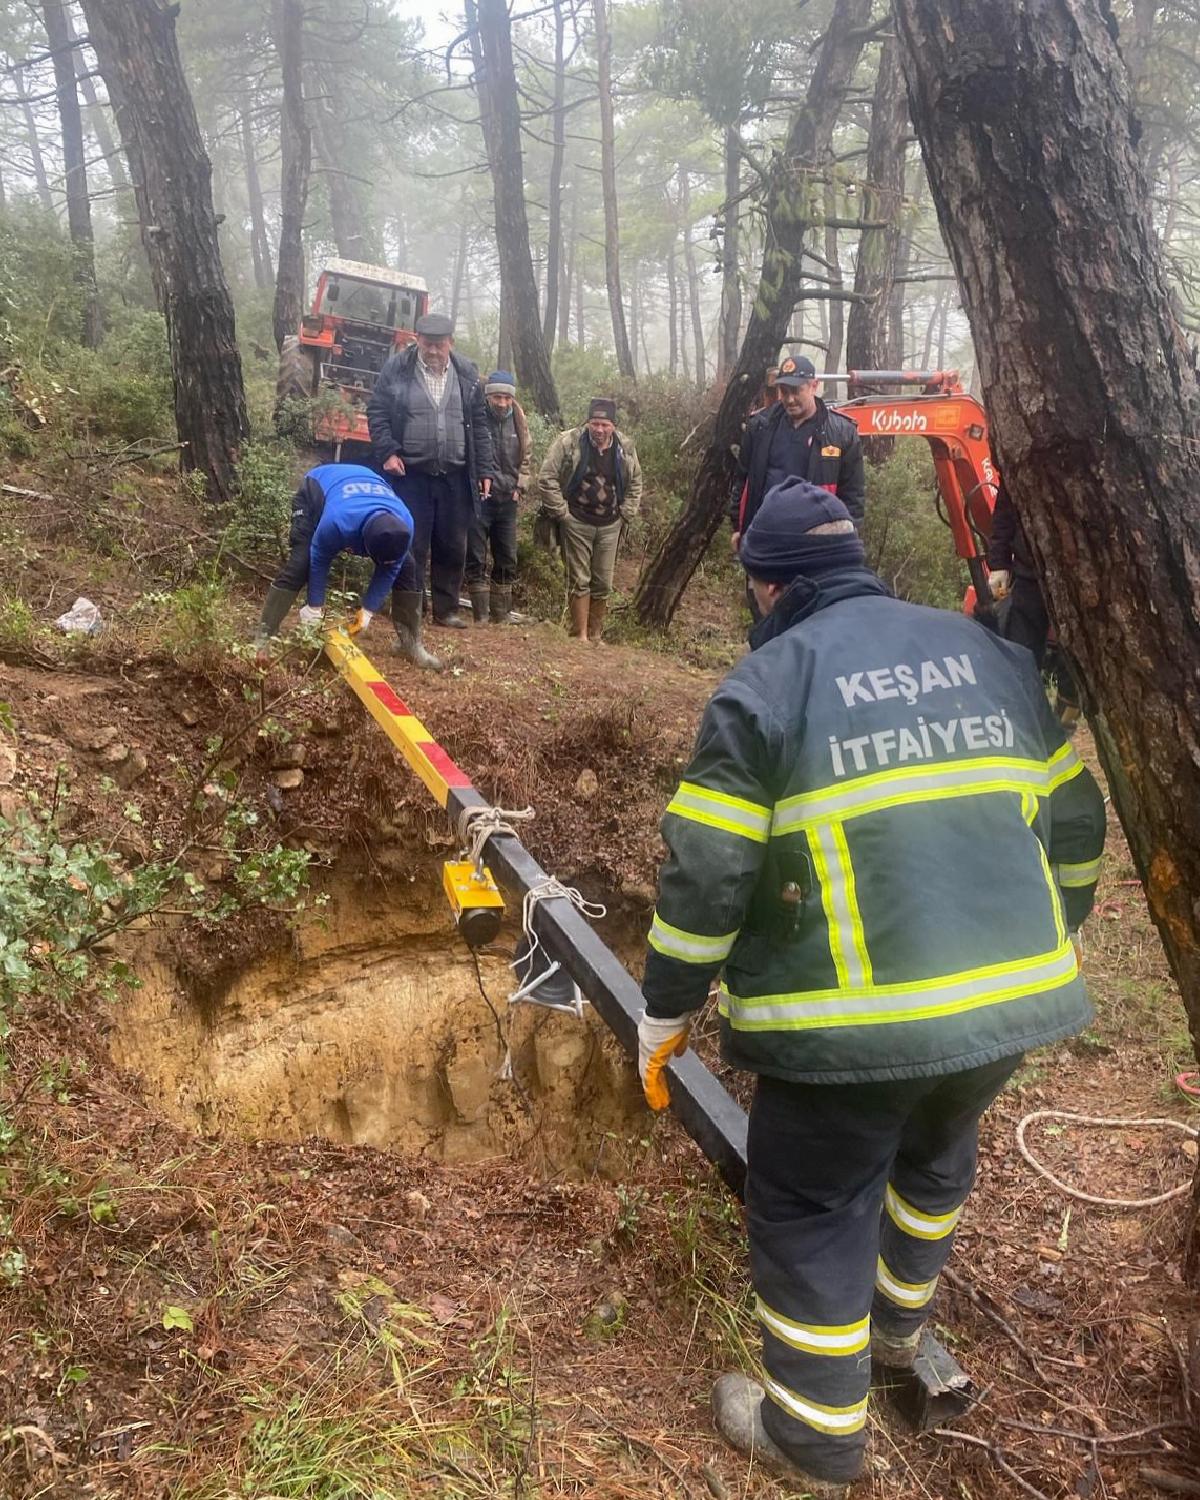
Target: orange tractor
955	426
360	315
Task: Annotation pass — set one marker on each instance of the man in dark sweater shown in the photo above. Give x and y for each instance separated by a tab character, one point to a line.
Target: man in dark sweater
429	435
496	523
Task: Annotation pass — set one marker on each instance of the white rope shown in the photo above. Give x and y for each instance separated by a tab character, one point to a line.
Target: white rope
1071	1192
477	824
550	890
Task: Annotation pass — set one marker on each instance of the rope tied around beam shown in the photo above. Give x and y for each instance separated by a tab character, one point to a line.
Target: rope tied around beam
477	824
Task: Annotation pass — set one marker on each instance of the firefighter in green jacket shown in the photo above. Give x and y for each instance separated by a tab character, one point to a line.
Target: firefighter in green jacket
887	844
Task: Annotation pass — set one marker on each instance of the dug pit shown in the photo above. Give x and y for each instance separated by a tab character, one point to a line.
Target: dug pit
371	1029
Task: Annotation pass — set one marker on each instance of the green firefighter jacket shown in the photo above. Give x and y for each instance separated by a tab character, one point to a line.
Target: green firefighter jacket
884	840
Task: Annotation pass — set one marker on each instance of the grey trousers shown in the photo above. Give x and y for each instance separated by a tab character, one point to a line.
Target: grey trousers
590	555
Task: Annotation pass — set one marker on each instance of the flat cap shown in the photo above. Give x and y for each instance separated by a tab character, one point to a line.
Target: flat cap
435	326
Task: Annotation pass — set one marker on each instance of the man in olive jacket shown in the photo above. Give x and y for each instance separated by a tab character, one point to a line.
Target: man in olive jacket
886	843
429	435
591	485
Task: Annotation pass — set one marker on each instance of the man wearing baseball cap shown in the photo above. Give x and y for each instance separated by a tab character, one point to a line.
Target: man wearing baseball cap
797	438
880	980
429	435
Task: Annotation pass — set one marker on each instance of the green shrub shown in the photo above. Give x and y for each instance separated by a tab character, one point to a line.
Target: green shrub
907	542
124	389
265	489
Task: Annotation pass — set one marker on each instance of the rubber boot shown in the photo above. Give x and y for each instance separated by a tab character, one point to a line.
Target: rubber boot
895	1351
278	602
579	616
597	609
406	617
502	610
737	1415
479	602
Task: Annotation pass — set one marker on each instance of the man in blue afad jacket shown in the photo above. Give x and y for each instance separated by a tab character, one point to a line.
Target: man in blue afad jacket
349	508
887	845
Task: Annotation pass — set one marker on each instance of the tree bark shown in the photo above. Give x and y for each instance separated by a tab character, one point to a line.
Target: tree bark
354	234
693	275
36	158
731	283
500	118
295	164
79	211
789	211
896	340
260	246
554	245
608	177
837	310
867	325
672	314
136	48
567	264
97	119
1026	124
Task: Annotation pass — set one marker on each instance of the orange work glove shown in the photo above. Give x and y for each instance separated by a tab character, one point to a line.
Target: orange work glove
660	1039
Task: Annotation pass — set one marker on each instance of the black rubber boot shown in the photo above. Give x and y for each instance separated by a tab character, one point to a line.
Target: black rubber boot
480	595
502	611
406	617
737	1415
275	609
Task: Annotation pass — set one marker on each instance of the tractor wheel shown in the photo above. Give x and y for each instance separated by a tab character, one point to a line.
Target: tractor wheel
296	382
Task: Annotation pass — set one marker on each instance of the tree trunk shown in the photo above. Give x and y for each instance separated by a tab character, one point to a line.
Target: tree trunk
97	119
837	310
172	177
295	162
260	246
693	276
635	321
672	315
460	266
731	284
79	211
500	118
875	270
896	340
788	206
1026	124
554	246
354	234
35	146
580	334
567	264
608	177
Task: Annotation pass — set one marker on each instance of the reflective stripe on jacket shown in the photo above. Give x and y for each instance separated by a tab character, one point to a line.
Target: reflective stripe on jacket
884	840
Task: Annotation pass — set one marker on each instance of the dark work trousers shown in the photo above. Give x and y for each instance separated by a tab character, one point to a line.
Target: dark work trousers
1028	624
496	524
442	508
853	1192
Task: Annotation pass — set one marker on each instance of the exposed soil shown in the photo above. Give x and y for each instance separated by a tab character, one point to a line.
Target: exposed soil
279	1196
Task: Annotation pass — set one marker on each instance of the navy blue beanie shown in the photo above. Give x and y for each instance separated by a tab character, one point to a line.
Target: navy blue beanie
385	537
778	545
501	383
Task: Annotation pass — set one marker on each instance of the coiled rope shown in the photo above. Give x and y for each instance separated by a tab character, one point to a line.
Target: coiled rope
1102	1123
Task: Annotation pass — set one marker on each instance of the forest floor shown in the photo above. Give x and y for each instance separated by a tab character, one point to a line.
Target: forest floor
272	1226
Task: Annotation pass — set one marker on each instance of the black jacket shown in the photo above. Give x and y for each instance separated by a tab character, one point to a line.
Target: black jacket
1007	547
835	462
388	407
882	839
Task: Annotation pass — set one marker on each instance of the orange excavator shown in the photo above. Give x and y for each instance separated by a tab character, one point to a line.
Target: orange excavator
955	426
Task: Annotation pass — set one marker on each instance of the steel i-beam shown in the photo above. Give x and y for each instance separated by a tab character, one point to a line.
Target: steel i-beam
936	1389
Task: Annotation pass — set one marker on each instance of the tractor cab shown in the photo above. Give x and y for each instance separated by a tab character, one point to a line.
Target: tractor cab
360	315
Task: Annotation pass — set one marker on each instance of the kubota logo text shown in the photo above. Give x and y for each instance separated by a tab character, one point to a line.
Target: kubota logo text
894	421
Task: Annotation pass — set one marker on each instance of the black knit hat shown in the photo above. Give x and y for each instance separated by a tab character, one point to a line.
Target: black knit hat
386	537
604	407
778	545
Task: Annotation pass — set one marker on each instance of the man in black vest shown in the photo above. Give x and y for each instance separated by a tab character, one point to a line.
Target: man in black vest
429	435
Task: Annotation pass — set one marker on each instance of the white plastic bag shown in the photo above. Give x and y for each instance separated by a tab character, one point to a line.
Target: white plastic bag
83	618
